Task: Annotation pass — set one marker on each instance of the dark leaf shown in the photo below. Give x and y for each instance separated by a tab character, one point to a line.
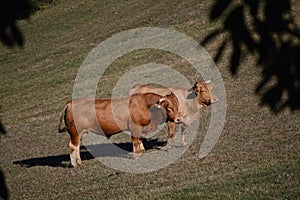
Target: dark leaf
10	12
2	128
272	97
5	38
263	83
266	46
253	6
274	15
3	188
294	100
218	8
220	50
235	19
235	23
235	60
17	35
295	31
248	39
211	36
276	46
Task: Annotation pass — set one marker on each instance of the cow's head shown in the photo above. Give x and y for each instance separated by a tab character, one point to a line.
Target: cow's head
172	107
203	93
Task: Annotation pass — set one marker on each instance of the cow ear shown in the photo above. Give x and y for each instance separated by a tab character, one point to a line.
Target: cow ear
195	84
209	84
159	102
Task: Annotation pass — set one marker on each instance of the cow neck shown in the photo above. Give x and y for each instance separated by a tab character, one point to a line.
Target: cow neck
194	97
200	104
152	99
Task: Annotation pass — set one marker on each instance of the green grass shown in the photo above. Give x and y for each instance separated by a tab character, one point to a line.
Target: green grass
267	182
257	155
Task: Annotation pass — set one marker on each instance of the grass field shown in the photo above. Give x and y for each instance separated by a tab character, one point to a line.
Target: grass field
256	157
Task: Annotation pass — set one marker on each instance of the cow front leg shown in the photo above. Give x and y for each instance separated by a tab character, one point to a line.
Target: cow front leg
171	130
78	158
142	147
138	147
183	135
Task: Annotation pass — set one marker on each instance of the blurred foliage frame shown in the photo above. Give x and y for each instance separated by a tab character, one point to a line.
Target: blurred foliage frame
10	12
267	30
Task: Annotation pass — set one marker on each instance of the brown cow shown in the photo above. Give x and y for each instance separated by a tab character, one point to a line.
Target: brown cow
191	101
139	114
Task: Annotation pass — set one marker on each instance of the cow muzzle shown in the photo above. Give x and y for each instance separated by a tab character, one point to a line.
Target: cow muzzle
177	120
214	100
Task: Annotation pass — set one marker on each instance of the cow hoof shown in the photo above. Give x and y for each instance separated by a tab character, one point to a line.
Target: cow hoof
183	144
142	148
84	135
166	148
137	155
72	165
78	162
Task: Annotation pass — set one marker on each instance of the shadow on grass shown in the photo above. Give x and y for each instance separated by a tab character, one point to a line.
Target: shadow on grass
102	150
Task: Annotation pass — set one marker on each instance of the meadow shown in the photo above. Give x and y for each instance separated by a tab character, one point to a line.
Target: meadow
256	157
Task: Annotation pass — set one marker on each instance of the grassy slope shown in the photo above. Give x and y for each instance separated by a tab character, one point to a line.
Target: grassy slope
257	155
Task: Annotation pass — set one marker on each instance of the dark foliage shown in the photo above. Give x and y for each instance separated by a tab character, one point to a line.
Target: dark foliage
10	35
267	30
2	128
3	189
10	12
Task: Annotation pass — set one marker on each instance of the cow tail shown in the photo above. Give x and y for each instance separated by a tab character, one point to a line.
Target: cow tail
62	119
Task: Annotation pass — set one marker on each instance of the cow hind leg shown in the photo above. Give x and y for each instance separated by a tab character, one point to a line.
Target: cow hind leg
78	158
74	154
72	150
74	147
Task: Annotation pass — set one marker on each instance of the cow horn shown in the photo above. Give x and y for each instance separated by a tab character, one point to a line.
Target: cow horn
208	81
159	102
